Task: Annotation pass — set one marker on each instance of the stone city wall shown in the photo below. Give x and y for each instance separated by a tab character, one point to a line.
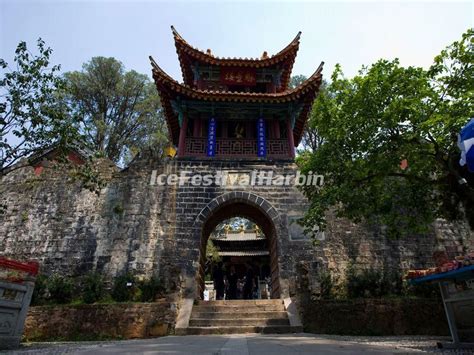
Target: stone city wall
147	229
143	320
100	321
375	317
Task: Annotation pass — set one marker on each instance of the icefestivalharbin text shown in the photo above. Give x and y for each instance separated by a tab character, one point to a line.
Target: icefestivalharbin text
230	178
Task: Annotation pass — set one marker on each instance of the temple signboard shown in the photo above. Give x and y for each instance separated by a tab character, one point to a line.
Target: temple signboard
238	76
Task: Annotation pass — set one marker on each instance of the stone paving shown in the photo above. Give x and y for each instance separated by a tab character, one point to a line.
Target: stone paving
249	344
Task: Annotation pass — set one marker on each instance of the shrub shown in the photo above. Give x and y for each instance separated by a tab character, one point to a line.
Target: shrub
150	289
373	283
392	284
60	289
125	288
327	285
39	292
426	290
93	288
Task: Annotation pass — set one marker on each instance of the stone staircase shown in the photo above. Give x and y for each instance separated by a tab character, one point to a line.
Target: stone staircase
239	316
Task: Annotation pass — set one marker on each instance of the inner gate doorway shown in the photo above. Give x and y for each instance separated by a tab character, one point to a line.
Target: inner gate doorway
237	253
238	245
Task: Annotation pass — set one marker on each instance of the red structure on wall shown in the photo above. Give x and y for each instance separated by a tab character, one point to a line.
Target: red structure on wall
238	93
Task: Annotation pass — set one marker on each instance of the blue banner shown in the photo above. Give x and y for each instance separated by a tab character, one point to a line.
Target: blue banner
466	145
261	141
211	138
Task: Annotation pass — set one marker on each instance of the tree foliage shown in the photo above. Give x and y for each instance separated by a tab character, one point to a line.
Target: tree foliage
386	115
234	224
32	115
120	111
296	80
212	253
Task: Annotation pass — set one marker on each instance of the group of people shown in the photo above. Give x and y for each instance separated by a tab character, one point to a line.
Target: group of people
230	287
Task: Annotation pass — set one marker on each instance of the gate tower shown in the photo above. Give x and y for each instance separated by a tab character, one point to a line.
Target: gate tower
236	117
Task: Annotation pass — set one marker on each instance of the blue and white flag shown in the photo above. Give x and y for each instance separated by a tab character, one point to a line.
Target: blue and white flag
465	143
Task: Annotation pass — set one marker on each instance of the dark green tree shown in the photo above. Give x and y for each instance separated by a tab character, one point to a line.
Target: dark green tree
388	147
32	114
120	110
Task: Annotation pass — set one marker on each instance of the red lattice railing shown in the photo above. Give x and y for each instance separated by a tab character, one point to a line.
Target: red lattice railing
236	147
228	147
278	148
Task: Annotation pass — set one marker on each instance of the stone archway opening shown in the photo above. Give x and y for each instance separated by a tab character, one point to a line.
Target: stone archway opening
256	215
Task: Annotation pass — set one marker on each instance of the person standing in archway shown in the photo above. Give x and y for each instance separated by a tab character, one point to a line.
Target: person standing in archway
249	283
218	278
232	279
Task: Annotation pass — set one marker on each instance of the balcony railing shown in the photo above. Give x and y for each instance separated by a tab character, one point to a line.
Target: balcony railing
232	148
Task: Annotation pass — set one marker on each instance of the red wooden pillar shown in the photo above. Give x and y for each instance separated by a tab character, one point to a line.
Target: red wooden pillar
225	129
197	128
276	125
182	137
249	127
291	139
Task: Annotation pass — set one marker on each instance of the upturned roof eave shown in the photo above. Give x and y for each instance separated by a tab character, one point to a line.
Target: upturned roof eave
164	81
293	46
169	88
188	54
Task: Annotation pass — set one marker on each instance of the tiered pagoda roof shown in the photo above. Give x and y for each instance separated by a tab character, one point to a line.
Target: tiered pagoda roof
243	243
188	55
297	101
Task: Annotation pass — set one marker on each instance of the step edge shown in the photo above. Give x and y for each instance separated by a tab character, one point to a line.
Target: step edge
246	320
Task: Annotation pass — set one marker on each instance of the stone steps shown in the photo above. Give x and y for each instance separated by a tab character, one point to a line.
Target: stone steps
239	303
272	329
238	317
239	306
244	314
233	309
260	322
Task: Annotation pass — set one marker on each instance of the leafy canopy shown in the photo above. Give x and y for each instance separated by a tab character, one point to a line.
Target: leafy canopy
120	110
32	114
388	143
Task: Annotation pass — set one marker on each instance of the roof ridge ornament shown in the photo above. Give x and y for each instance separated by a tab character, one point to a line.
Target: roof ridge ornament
176	34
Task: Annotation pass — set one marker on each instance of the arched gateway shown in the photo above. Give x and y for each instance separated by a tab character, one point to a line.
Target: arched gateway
247	205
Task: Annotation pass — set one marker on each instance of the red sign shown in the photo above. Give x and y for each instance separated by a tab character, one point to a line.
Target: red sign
238	76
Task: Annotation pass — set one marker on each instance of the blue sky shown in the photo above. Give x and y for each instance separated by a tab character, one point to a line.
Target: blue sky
349	33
